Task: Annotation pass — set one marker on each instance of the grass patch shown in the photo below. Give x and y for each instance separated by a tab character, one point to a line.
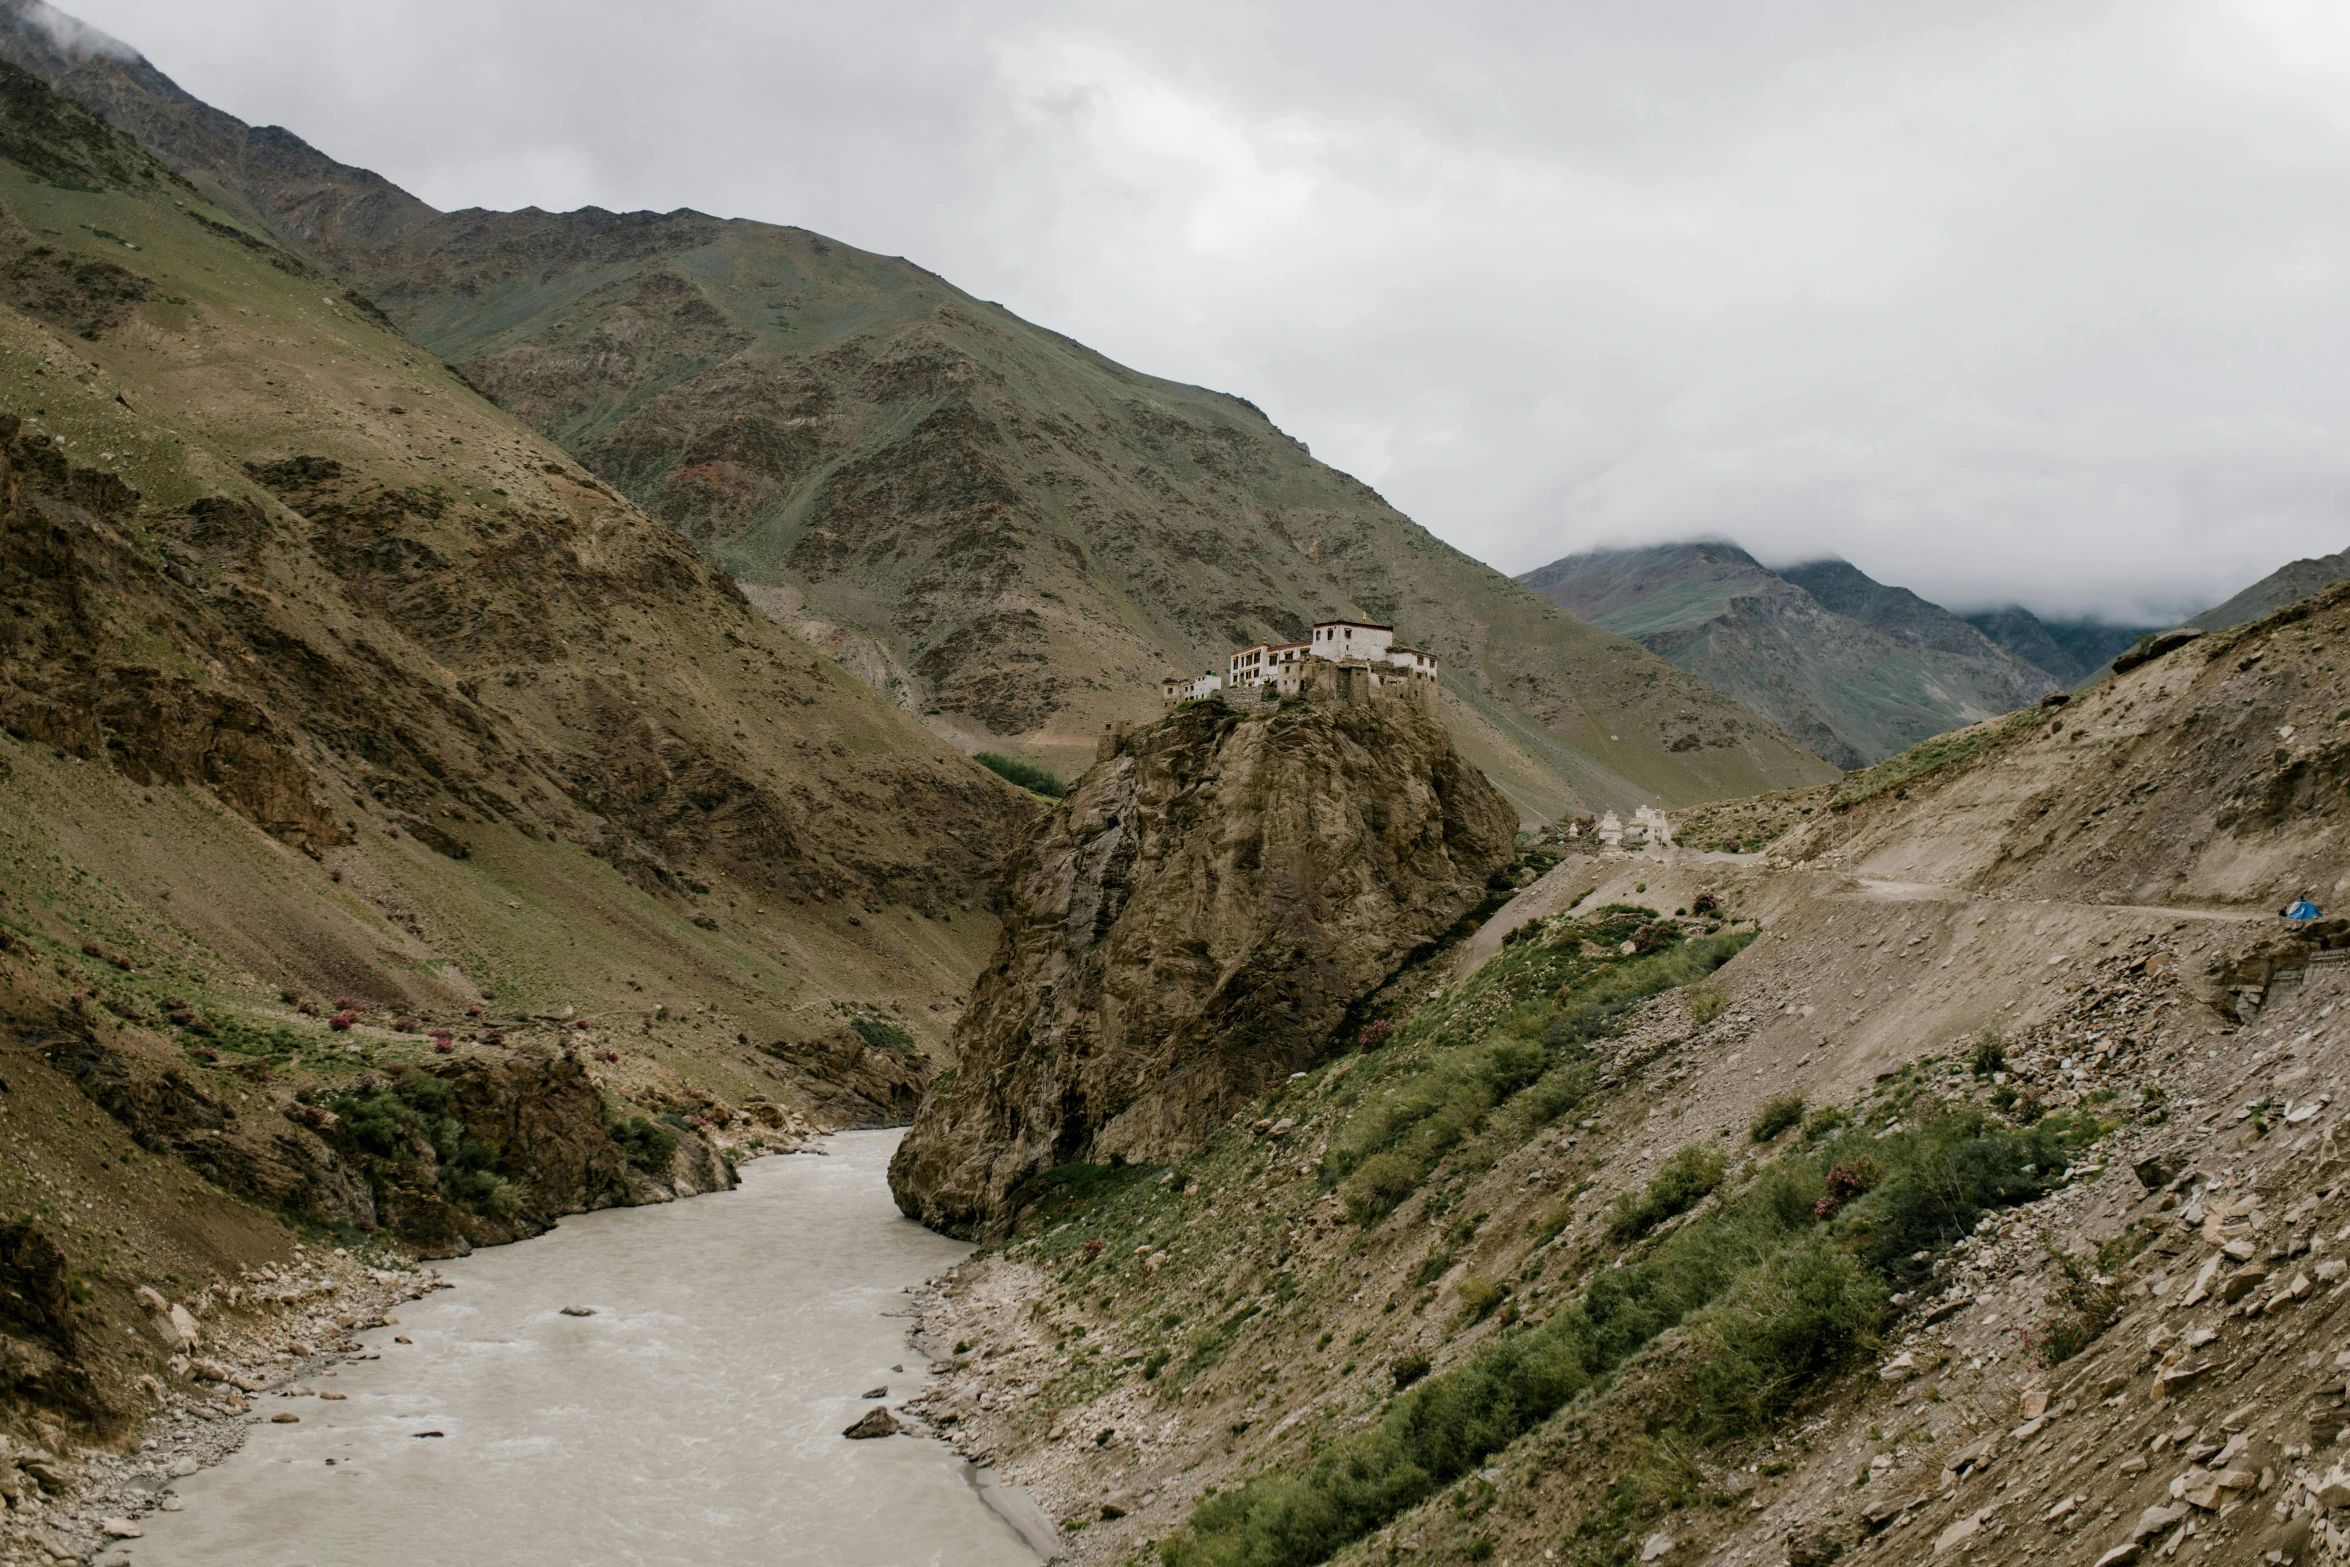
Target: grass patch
880	1035
1027	775
1687	1179
1931	756
1067	1190
1479	1089
1776	1289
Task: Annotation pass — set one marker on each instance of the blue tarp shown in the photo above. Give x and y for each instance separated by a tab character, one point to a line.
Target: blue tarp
2303	910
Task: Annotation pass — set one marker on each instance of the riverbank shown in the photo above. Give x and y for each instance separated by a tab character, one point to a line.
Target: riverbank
273	1328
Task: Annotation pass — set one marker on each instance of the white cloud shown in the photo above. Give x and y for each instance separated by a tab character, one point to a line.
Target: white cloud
75	36
2035	298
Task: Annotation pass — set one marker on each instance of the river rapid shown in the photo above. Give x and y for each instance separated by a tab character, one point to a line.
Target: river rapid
694	1418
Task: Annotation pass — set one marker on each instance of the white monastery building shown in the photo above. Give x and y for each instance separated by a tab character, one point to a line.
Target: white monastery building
1283	665
1344	661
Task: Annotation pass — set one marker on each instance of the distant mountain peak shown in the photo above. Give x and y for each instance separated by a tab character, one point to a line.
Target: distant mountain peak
1854	667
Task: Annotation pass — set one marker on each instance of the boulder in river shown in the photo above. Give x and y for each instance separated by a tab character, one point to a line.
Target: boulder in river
876	1392
874	1422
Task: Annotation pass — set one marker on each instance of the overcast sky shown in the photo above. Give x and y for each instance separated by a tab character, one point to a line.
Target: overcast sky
2044	300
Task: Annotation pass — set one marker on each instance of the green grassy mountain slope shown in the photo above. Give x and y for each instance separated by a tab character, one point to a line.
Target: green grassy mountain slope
1009	533
1857	680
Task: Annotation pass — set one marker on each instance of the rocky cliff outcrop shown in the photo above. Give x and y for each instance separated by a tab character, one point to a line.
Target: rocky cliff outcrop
849	1081
1195	919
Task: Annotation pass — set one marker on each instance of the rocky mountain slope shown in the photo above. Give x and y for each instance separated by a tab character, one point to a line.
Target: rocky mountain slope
1853	668
1008	533
401	835
1196	920
2069	650
2289	583
1848	591
2213	773
2081	651
1962	1176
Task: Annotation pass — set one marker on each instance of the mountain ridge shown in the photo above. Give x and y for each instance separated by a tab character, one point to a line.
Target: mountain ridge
1031	534
2289	583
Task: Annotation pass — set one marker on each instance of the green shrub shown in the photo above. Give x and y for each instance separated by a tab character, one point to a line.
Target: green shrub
1827	1121
647	1146
1481	1296
1707	1002
1434	1266
1686	1180
1989	1055
1943	1181
1378	1185
1027	775
1786	1323
880	1035
1777	1114
377	1121
482	1191
2085	1308
393	1125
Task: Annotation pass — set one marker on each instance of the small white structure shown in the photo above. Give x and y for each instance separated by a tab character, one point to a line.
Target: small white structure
1654	824
1343	639
1176	689
1611	830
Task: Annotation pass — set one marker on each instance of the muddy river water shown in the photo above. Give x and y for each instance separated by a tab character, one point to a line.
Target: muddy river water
694	1418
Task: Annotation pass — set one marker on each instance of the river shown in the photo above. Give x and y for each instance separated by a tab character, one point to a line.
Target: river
694	1418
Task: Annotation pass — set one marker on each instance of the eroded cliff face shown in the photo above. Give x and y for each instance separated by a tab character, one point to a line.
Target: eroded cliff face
1193	922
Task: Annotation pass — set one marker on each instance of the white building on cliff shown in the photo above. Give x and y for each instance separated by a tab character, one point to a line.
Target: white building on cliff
1344	660
1287	667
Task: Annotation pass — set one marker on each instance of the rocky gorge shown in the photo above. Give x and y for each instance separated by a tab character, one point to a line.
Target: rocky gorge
414	841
